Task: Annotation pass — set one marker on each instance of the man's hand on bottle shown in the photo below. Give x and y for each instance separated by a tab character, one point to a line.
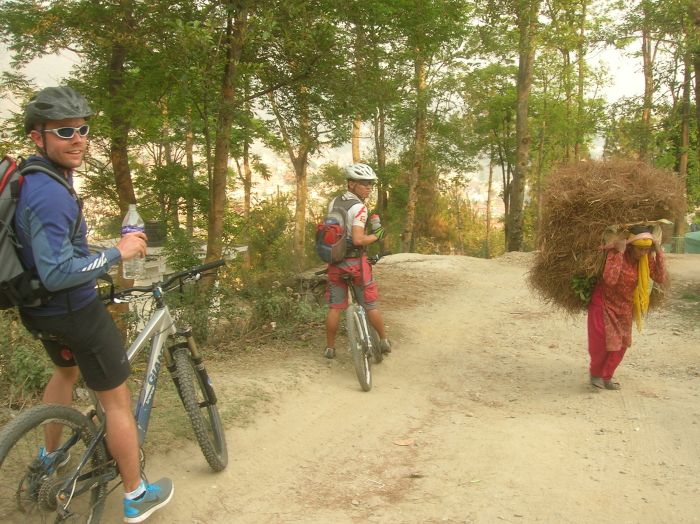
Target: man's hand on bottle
132	245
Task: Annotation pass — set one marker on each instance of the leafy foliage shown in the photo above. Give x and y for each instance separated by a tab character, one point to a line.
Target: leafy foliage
24	366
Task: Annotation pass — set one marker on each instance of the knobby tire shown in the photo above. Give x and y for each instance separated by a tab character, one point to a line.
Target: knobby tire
28	494
361	359
207	425
377	354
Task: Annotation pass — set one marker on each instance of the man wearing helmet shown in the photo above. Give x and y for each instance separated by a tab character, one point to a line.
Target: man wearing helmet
360	178
76	329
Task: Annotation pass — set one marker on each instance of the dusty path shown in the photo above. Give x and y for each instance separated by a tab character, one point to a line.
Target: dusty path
482	414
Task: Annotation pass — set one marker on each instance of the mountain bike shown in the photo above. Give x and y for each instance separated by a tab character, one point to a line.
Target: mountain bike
363	339
70	483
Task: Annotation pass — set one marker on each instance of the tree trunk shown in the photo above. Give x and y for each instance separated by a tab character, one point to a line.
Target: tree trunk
581	63
189	154
119	155
382	190
359	73
647	60
299	160
247	188
567	101
527	21
120	124
540	169
380	146
540	154
506	178
419	146
356	126
679	222
170	201
694	11
300	167
236	26
488	209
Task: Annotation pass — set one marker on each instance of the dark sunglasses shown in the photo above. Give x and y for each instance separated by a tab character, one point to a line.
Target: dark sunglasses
69	132
366	183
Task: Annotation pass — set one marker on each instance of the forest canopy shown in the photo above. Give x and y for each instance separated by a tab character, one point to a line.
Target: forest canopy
433	94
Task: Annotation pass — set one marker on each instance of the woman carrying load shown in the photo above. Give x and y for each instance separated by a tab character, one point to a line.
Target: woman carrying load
620	297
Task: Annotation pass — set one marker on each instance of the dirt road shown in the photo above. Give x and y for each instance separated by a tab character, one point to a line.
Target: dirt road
482	414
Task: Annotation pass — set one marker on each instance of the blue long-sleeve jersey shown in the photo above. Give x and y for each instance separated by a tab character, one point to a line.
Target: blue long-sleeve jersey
45	220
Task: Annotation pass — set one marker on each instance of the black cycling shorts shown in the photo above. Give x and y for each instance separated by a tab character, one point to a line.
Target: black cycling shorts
88	337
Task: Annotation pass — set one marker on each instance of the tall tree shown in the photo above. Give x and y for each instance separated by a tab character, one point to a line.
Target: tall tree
435	35
233	41
310	113
694	49
527	13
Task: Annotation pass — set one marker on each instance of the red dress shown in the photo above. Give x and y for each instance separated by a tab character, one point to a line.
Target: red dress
611	311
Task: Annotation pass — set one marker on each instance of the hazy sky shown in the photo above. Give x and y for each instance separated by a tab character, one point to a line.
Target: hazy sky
45	72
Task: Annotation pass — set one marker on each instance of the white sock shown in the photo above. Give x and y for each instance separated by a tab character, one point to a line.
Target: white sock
138	492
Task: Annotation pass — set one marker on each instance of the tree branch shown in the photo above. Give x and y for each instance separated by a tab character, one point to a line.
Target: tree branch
288	81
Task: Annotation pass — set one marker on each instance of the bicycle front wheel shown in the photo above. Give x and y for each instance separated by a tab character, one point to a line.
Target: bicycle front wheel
377	354
30	481
196	394
358	347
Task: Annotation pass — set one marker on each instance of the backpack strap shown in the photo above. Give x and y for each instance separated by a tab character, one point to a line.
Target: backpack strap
345	204
27	167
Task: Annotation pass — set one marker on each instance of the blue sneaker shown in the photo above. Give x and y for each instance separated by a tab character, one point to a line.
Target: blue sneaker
54	460
157	495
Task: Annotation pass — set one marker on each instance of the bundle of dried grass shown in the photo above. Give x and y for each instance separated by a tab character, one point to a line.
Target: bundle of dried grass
581	205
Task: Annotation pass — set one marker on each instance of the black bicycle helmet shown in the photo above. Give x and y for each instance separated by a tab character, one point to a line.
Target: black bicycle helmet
55	103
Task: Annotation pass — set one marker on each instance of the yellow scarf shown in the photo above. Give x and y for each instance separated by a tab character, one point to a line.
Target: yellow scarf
641	292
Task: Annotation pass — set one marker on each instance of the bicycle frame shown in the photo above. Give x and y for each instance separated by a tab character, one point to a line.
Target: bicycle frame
157	330
95	467
362	314
159	327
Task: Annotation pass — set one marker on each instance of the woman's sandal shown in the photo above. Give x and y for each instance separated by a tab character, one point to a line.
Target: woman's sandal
597	382
609	384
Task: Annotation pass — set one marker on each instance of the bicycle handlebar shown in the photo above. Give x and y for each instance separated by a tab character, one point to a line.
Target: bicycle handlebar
167	283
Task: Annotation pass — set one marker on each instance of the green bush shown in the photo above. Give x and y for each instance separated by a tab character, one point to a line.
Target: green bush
29	371
181	251
251	301
24	367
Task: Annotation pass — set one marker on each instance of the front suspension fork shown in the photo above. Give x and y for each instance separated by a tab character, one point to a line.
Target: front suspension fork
197	362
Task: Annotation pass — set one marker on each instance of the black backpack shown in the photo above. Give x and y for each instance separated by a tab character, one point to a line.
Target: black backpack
20	286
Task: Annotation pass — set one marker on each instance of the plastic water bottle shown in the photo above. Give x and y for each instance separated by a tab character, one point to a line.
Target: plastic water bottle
376	223
133	223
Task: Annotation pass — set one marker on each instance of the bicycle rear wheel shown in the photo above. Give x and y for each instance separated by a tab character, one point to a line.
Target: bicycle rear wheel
29	484
196	395
358	347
